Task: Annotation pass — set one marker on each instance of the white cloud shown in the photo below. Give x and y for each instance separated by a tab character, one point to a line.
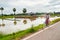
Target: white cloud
31	5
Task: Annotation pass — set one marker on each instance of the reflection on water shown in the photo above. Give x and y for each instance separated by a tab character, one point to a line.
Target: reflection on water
10	27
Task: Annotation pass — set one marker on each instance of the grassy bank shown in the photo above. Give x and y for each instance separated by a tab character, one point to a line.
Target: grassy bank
21	34
54	21
4	17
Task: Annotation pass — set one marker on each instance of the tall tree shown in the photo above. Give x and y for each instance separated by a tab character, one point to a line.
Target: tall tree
2	15
2	11
14	10
24	10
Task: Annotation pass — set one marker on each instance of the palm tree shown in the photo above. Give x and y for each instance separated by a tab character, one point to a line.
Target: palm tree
14	10
2	15
2	10
24	10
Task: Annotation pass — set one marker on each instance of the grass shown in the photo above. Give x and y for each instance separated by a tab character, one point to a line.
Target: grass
4	17
54	21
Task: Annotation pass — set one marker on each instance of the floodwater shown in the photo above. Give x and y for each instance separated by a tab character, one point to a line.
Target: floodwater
10	27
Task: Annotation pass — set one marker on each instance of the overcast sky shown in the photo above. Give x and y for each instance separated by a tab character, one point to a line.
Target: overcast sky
30	5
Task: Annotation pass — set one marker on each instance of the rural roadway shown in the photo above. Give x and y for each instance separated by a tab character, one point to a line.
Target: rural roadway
50	33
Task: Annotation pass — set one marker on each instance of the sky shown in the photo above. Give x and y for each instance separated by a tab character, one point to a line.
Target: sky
30	5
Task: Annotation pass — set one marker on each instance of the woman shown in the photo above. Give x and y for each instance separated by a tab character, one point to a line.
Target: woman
47	20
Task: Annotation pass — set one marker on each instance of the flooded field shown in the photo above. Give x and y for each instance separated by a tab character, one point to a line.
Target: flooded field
10	27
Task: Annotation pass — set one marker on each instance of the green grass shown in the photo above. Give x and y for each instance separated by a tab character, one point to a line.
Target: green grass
54	21
4	17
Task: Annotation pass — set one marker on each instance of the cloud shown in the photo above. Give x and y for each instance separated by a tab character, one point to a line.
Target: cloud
31	5
28	3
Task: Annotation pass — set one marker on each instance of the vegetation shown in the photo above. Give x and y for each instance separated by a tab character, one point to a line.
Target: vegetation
2	11
8	16
2	16
26	14
54	21
21	34
14	10
24	10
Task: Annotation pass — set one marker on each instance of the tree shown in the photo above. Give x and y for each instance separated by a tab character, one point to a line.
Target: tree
2	15
2	10
14	10
24	10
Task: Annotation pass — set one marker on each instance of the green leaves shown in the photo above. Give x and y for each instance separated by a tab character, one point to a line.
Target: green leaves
14	9
1	8
24	10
